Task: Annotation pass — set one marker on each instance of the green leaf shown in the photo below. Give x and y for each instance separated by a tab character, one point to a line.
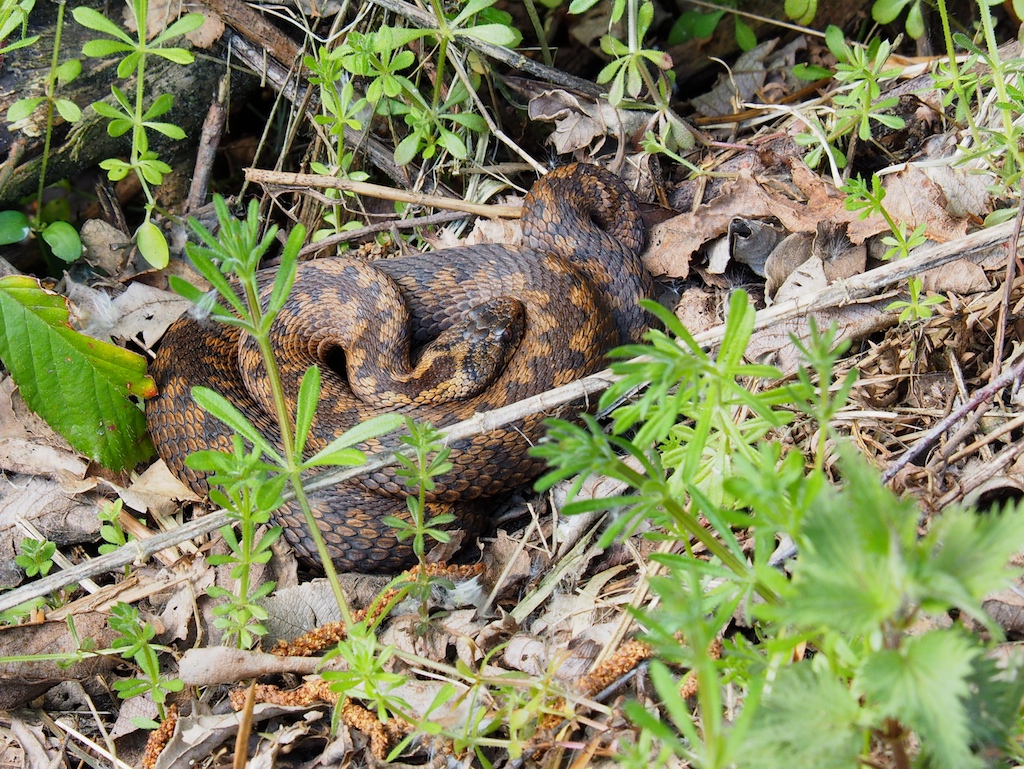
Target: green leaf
81	386
177	55
836	43
95	20
14	227
809	719
853	572
22	108
339	450
218	406
99	49
801	11
406	150
187	23
495	34
886	11
972	550
68	71
68	110
63	240
152	244
923	685
745	36
309	395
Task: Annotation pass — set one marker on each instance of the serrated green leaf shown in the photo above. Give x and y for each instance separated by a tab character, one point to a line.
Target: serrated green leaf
63	241
79	385
14	227
808	719
924	686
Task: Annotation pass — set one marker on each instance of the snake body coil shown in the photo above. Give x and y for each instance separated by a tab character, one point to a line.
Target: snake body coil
438	336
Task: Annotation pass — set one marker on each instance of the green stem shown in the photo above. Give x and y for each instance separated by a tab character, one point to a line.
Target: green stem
51	88
954	71
538	29
292	462
999	81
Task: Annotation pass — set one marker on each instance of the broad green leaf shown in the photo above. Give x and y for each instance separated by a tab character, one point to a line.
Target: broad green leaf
68	110
69	70
801	11
63	240
886	11
152	245
81	386
14	227
22	108
495	34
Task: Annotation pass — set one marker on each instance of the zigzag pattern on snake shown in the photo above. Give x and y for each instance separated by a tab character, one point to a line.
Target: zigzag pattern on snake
438	336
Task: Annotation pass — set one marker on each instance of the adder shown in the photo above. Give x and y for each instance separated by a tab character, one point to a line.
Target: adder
440	337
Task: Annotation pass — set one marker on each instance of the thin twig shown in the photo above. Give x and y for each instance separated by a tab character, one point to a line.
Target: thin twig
318	181
929	438
1004	306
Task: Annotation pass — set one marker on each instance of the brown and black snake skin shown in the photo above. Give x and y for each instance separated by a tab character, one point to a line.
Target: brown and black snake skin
438	336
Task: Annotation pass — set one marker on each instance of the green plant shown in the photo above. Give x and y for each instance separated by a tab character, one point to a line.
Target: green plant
14	14
868	593
111	531
60	238
869	200
698	23
132	114
242	484
630	74
860	71
429	460
135	643
235	254
36	557
441	118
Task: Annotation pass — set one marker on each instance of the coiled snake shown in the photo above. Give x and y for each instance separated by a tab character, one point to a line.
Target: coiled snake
438	336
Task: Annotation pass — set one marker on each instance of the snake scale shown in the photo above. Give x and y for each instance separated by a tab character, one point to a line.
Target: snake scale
440	337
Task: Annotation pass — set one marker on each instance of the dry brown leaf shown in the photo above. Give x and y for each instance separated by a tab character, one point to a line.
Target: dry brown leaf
581	122
145	313
912	197
673	243
29	445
